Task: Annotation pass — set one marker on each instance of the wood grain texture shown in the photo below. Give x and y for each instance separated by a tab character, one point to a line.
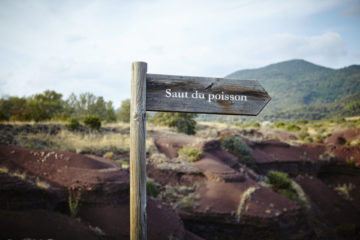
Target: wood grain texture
156	100
138	153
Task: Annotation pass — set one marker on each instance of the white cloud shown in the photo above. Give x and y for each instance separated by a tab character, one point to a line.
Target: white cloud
89	45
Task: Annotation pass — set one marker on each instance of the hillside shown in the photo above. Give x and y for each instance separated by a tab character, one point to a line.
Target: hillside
300	89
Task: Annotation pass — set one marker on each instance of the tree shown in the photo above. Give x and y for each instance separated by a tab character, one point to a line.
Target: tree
98	108
110	115
86	104
15	108
183	122
124	113
45	106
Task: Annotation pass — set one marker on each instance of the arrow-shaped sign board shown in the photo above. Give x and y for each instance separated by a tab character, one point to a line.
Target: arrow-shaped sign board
204	95
152	92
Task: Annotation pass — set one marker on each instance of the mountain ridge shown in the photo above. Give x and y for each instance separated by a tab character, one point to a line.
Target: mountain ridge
299	84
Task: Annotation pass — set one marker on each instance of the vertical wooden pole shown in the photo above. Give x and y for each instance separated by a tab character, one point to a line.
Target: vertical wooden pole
138	152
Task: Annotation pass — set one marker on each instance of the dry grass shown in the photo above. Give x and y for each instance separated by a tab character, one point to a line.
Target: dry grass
153	127
75	142
19	175
300	194
246	196
344	190
209	130
41	184
4	169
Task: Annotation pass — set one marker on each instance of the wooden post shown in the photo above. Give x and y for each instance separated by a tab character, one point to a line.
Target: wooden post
138	152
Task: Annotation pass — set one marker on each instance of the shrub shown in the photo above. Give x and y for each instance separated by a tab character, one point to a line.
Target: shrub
303	121
186	203
292	127
151	188
279	124
183	122
308	139
92	122
74	201
73	124
236	146
279	180
192	154
302	134
318	139
256	125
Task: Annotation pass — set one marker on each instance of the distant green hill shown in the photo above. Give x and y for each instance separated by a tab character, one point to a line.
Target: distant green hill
300	89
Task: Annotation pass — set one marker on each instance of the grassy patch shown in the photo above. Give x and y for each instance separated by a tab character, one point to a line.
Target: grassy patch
76	142
123	162
191	154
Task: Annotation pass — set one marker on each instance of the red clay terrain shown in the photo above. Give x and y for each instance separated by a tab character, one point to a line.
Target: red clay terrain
37	182
216	197
212	210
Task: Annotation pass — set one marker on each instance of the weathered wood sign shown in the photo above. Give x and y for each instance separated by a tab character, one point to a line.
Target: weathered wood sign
204	95
152	92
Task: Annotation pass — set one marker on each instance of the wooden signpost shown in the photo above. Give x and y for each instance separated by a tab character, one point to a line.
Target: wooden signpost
154	92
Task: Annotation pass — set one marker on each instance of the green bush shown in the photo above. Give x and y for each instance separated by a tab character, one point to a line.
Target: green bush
308	139
289	193
256	125
183	122
92	122
151	188
292	127
73	124
279	124
279	180
237	147
192	154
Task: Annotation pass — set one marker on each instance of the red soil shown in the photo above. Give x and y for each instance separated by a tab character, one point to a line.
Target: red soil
104	197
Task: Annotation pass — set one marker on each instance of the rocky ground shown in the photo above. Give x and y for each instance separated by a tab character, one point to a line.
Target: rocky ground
63	195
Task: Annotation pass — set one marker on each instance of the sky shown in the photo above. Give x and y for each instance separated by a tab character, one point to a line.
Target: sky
78	46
